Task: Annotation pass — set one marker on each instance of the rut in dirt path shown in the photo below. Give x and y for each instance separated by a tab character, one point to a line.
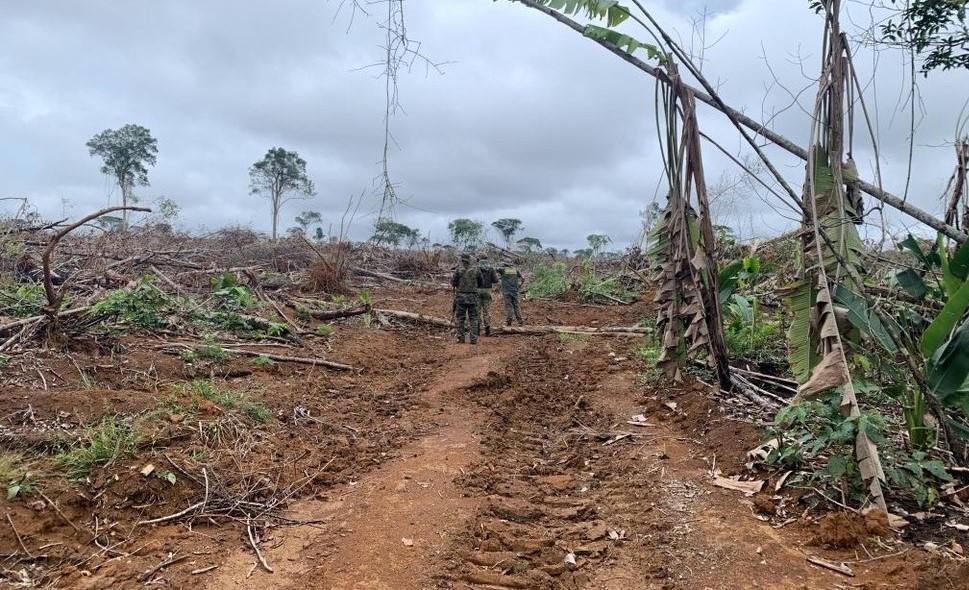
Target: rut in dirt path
381	532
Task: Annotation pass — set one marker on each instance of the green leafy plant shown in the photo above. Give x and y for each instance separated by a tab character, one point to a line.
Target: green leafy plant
24	300
144	306
817	438
167	476
263	361
277	330
304	313
14	474
112	438
549	280
594	289
323	330
232	294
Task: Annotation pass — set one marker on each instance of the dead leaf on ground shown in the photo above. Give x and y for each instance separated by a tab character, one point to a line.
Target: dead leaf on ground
749	488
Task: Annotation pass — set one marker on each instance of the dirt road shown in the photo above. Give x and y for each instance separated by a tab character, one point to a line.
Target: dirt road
509	464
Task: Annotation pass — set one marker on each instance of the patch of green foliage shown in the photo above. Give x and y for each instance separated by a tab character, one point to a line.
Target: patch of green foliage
816	437
111	439
231	400
231	294
593	289
649	352
549	280
571	337
263	361
14	474
23	300
209	351
750	338
323	330
145	306
304	313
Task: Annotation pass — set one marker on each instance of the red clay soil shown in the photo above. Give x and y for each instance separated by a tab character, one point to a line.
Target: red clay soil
508	464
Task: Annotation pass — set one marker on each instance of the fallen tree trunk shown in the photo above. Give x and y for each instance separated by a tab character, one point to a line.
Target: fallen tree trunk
292	359
341	313
177	347
585	330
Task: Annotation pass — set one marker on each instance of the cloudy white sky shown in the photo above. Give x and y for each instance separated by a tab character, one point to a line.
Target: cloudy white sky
526	119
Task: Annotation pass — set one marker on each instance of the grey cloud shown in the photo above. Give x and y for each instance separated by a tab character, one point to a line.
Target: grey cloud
528	119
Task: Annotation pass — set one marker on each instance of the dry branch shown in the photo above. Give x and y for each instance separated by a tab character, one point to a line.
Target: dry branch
445	323
27	321
54	298
835	567
293	359
255	547
341	313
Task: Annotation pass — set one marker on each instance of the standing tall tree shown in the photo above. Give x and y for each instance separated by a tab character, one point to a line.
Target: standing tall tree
280	176
508	228
466	234
126	153
597	242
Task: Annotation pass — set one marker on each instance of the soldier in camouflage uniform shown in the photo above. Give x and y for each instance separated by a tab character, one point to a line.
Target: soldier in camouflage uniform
511	283
489	278
466	281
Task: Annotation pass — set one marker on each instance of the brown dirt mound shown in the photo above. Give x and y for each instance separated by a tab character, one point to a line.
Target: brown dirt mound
842	530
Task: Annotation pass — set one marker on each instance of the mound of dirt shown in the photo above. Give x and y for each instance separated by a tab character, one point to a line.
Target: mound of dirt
842	530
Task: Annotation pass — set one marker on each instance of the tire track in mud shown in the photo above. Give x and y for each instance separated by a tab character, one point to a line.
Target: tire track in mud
570	501
381	532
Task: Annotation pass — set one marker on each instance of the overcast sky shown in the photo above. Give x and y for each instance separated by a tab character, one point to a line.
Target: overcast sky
525	118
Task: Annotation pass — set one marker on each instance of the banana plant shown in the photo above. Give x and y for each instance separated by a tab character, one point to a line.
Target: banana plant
832	254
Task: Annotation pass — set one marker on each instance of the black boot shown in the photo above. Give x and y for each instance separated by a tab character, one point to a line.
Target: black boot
487	330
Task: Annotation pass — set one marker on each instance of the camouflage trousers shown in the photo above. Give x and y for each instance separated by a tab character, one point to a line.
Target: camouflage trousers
466	307
484	308
513	306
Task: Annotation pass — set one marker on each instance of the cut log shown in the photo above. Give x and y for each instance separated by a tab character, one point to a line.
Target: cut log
341	313
583	330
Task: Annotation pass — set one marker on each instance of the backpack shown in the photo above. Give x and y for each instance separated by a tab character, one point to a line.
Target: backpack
487	276
468	280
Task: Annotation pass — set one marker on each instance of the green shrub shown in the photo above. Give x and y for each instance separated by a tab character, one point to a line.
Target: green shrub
592	289
145	306
24	300
549	280
323	330
263	361
232	295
